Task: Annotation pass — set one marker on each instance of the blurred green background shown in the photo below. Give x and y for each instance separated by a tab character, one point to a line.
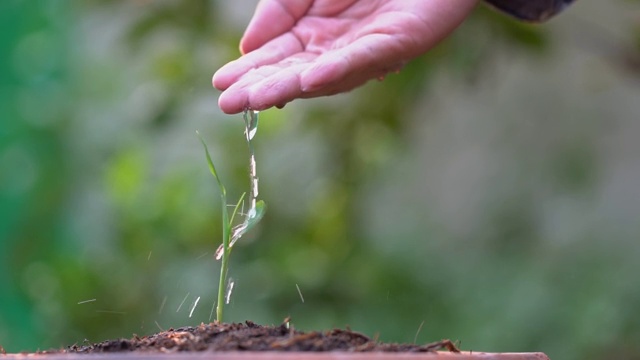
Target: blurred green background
490	190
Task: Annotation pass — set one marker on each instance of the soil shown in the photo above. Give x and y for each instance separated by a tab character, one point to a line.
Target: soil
249	336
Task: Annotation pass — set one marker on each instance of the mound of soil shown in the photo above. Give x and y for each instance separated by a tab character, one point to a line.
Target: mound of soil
249	336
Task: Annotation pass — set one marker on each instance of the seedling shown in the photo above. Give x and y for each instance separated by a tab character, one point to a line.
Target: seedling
231	234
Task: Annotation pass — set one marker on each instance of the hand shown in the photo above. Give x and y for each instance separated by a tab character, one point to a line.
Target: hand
309	48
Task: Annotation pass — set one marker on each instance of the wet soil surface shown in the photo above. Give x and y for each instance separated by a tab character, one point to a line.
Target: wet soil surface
249	336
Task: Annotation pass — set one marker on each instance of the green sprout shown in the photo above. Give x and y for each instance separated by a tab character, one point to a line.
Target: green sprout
231	234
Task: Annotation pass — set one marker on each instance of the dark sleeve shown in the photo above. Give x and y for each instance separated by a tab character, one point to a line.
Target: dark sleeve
531	10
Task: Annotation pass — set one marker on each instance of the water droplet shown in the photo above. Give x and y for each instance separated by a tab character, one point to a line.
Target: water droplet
251	123
229	291
164	301
86	301
194	306
158	325
182	303
300	293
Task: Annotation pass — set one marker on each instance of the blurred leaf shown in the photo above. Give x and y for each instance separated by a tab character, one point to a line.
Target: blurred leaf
126	175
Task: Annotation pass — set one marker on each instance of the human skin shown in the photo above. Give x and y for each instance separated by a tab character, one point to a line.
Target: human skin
309	48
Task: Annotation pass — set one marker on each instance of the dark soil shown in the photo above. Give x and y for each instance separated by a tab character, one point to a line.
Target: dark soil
249	336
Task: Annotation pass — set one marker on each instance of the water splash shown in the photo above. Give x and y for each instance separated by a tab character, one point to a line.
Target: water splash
164	301
182	303
300	293
251	124
229	291
250	130
158	325
256	208
415	338
194	306
86	301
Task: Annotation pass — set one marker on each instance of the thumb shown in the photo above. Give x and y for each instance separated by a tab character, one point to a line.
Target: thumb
271	19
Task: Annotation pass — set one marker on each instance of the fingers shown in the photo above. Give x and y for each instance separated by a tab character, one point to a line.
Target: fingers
267	86
271	19
261	89
271	53
304	74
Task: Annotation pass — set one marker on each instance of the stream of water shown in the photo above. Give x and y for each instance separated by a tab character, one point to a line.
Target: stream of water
256	208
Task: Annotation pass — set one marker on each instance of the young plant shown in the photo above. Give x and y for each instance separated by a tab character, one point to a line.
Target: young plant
231	234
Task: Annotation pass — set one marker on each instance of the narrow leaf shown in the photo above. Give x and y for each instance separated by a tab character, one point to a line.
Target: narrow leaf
212	167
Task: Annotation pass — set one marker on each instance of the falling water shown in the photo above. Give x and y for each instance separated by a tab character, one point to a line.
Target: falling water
86	301
256	209
229	291
194	306
182	303
164	301
251	127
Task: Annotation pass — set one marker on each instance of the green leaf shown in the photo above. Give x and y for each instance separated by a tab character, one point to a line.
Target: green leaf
212	167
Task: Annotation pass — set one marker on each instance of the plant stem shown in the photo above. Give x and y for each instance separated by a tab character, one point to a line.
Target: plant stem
224	267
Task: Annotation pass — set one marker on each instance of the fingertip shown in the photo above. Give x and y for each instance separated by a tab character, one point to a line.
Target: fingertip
215	82
227	75
219	81
264	27
247	45
230	103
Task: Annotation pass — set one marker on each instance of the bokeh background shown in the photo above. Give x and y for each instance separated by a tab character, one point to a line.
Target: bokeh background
489	193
